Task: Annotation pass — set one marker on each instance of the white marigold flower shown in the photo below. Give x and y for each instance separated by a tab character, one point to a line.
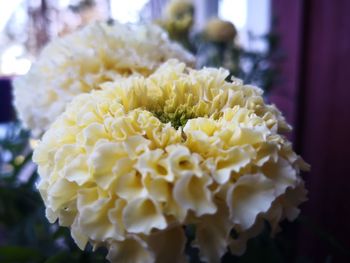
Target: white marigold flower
130	166
81	61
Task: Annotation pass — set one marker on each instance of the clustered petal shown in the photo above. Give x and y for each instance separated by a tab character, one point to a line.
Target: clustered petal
130	166
81	61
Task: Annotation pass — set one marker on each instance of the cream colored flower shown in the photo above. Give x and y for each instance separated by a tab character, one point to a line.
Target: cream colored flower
130	165
81	61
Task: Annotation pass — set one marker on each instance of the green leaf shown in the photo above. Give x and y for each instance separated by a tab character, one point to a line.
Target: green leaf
13	254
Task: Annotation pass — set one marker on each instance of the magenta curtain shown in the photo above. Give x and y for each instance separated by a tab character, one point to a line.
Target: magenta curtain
316	95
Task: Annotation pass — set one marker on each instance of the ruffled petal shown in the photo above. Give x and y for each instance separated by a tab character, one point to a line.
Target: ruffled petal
131	250
130	186
192	193
141	215
103	159
168	245
94	221
238	245
282	173
61	193
251	195
212	235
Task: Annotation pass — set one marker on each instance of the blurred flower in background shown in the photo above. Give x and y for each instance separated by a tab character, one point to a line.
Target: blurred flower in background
220	31
178	19
226	38
217	46
78	63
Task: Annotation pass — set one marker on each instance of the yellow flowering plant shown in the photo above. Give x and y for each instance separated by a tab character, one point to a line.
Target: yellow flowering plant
79	62
131	166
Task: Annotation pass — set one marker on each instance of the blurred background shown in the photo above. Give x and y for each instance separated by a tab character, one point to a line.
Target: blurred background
297	51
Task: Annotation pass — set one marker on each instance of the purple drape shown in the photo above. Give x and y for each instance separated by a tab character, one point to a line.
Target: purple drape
316	37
